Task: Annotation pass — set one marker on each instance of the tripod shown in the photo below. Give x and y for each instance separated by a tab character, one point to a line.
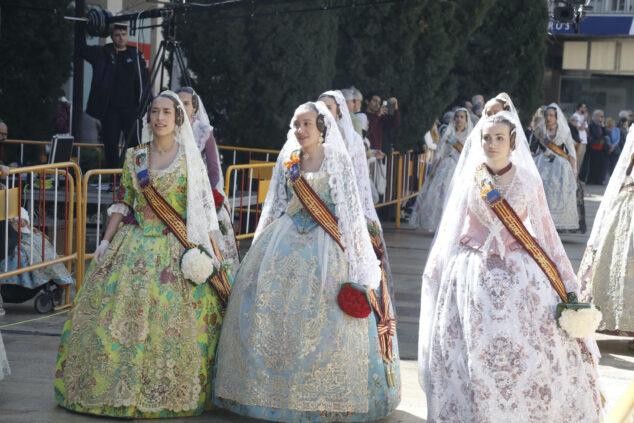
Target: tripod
159	64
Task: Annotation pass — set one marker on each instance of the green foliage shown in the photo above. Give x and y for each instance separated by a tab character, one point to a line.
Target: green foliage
445	27
35	62
507	54
253	73
407	51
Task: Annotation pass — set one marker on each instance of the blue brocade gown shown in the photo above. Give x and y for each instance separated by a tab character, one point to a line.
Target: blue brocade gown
287	352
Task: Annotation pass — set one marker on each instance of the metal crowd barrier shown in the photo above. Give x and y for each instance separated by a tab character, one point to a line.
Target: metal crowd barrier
94	194
262	154
22	189
403	179
246	187
43	144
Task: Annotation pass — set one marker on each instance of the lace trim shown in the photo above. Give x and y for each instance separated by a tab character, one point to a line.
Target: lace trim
487	218
119	207
202	131
172	166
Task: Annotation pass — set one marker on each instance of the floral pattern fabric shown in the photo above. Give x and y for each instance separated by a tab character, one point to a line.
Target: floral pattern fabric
609	271
140	340
496	352
560	186
287	352
227	241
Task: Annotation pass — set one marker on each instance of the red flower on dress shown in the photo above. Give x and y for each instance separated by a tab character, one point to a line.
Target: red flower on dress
353	301
218	199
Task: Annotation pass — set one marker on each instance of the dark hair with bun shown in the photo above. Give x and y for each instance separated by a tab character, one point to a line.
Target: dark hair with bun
195	99
179	117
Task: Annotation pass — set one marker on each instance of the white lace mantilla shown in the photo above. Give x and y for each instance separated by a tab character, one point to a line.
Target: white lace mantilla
202	132
356	150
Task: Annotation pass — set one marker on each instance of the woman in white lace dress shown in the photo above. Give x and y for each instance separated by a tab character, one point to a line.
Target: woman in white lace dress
556	162
607	267
431	198
490	349
204	136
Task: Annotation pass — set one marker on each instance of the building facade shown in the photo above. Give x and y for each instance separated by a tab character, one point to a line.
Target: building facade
596	64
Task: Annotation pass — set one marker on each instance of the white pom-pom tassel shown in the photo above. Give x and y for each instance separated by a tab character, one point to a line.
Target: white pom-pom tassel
582	322
196	266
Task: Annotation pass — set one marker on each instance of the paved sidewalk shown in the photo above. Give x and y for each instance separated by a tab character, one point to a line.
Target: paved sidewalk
27	394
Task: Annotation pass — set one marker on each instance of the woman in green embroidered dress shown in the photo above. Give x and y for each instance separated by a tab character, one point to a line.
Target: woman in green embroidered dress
141	339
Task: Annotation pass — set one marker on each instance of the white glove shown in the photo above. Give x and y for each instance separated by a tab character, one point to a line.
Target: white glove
100	252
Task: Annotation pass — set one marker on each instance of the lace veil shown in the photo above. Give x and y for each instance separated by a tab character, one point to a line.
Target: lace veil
612	191
201	211
363	265
446	242
202	131
563	135
356	149
451	132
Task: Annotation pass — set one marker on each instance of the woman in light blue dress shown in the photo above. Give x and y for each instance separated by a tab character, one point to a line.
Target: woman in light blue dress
287	351
558	173
428	209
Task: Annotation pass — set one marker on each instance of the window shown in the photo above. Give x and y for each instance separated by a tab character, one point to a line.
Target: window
617	6
602	6
599	5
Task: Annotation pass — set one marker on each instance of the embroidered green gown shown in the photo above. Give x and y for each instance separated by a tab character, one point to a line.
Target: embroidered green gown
141	340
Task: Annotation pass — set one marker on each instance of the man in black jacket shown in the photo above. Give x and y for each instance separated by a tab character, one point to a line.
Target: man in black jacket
119	74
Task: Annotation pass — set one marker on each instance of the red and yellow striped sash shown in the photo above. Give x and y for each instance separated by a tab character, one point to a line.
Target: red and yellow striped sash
386	326
168	215
456	144
555	149
176	223
319	211
503	210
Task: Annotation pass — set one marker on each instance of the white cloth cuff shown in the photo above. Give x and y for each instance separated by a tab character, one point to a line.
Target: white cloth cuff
122	208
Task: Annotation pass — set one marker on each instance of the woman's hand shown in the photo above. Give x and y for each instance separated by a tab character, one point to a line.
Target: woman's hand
100	252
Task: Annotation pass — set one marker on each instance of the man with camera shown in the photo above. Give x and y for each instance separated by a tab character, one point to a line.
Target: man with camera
381	116
119	74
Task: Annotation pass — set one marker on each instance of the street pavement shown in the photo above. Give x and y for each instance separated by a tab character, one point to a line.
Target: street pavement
27	394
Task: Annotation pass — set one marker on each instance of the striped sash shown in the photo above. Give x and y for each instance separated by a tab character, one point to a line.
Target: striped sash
174	221
311	201
555	148
317	209
503	210
456	144
386	327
